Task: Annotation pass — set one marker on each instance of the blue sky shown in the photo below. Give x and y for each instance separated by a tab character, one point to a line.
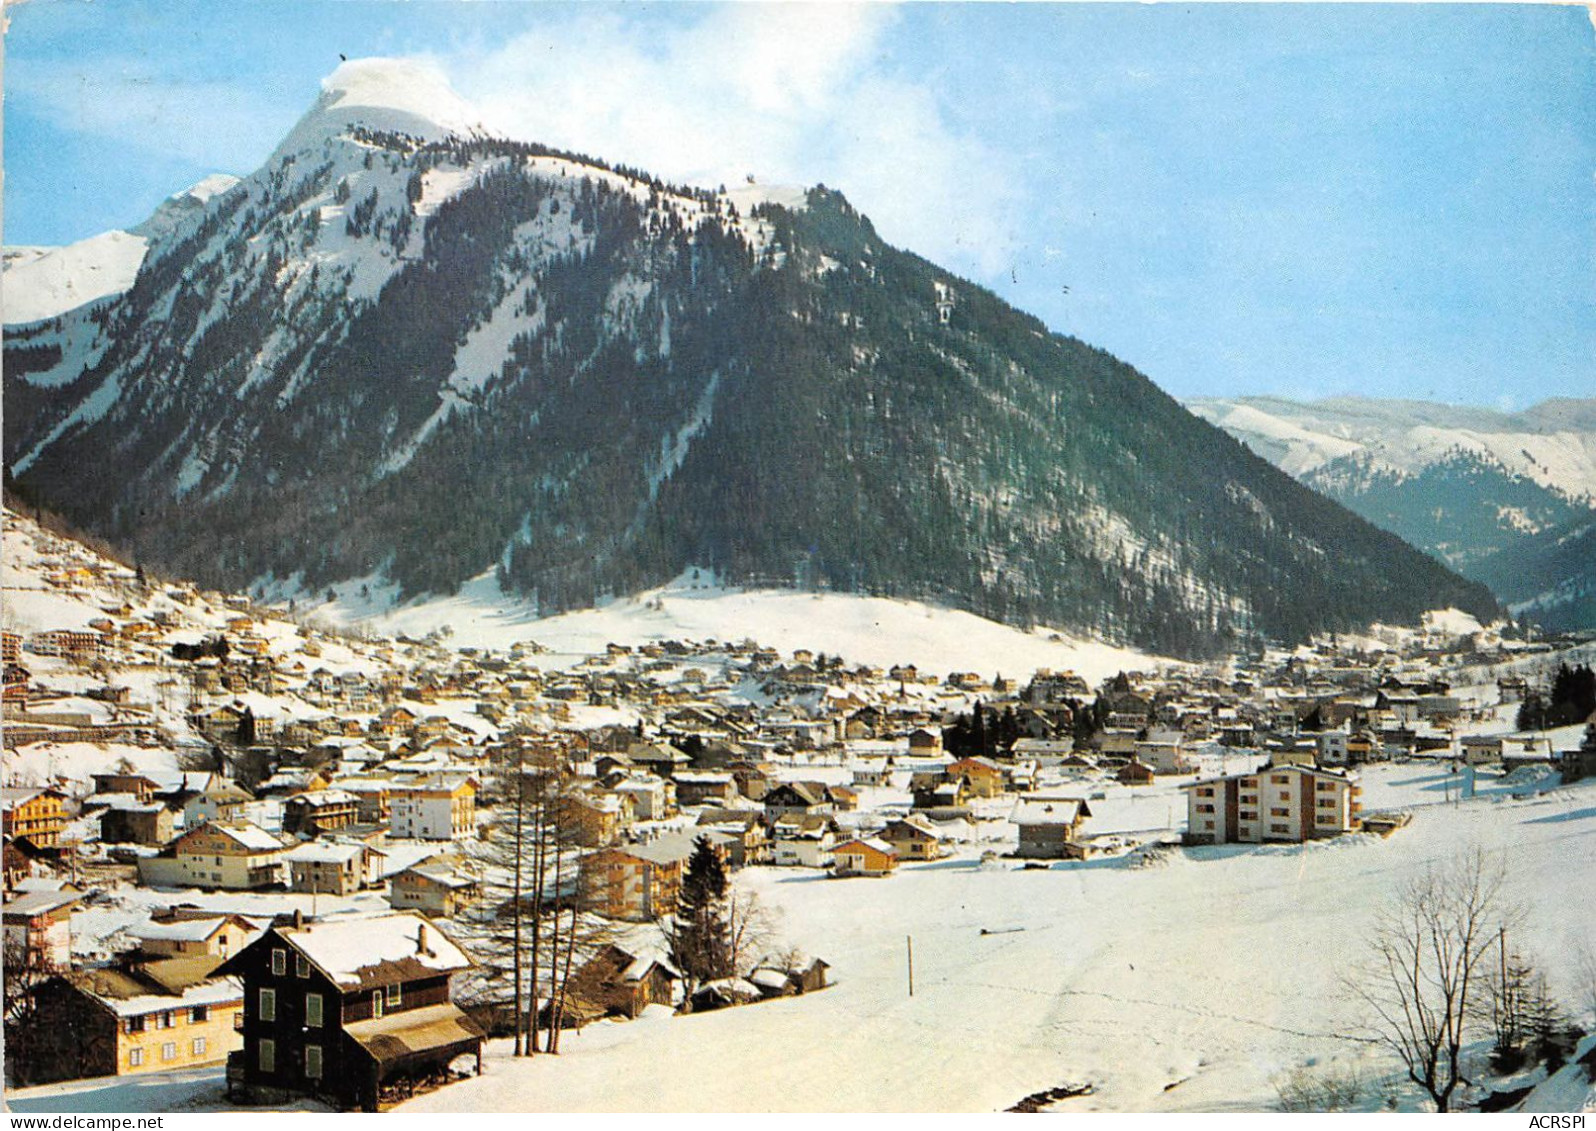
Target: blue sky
1301	200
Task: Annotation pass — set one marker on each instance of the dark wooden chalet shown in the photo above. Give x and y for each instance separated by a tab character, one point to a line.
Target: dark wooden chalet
797	797
615	983
341	1010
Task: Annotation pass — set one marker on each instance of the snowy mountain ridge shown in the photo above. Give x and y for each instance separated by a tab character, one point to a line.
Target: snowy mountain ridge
45	282
1506	498
41	283
1552	443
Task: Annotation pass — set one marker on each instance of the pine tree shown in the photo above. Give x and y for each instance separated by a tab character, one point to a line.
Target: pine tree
700	933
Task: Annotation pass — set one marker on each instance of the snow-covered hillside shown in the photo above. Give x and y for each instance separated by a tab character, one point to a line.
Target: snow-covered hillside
46	282
863	630
50	583
42	282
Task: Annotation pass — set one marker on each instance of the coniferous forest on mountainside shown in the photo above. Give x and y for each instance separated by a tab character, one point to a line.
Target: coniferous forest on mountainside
796	409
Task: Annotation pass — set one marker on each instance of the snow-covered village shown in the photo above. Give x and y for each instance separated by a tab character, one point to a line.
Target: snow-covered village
867	557
412	867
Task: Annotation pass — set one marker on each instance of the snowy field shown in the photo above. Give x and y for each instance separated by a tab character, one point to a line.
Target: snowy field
1186	984
863	630
1190	981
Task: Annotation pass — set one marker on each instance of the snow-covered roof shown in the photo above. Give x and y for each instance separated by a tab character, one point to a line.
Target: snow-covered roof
115	801
382	948
45	883
11	796
666	850
1048	811
323	797
220	991
768	979
246	835
180	930
325	852
703	777
441	874
168	984
39	902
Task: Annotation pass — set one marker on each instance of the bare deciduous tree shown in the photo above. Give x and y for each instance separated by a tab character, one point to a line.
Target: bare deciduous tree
753	931
28	1032
1585	977
1431	952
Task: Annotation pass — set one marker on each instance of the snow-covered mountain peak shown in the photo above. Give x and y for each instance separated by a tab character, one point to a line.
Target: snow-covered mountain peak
408	96
180	206
211	186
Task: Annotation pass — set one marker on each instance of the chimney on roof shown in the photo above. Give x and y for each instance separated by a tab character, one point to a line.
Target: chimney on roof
299	919
421	939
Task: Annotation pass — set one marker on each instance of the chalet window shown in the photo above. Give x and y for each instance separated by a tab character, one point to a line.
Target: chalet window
1325	786
313	1010
393	994
1206	791
301	966
135	1025
313	1062
1280	812
199	1015
268	1005
1279	829
1205	808
1280	779
167	1020
135	1057
197	1046
169	1050
1327	802
376	1003
1248	815
266	1053
279	961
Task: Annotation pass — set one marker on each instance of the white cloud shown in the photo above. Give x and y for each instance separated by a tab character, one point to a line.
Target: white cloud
794	94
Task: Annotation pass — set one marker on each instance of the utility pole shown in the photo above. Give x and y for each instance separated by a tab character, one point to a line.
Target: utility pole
909	939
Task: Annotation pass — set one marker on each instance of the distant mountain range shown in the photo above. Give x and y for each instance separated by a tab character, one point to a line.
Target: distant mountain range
407	352
1508	499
